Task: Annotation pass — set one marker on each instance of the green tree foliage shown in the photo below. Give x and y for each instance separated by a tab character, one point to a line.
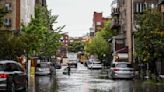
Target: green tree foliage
99	45
75	46
33	33
39	35
147	39
105	32
11	45
149	42
2	13
51	43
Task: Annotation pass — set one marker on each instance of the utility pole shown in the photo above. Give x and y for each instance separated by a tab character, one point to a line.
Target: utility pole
129	30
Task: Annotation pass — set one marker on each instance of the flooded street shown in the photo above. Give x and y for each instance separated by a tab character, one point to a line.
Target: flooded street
83	80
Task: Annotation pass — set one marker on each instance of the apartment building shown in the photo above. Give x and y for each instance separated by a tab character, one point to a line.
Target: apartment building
121	14
27	10
118	41
17	12
123	18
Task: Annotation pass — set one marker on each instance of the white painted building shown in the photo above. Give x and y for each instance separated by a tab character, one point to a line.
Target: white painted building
27	10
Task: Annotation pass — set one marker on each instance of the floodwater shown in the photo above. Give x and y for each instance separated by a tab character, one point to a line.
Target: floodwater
83	80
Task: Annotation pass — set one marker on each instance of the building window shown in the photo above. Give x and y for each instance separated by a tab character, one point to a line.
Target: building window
8	7
7	22
140	7
98	23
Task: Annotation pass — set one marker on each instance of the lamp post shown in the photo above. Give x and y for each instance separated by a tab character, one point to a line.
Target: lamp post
129	30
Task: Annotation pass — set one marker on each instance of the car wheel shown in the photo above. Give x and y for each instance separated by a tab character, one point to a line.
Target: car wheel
112	76
25	89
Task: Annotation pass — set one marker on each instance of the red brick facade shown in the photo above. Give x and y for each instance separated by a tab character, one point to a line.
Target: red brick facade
18	15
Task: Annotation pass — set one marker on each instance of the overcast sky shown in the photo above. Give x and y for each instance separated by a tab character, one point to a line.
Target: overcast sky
77	15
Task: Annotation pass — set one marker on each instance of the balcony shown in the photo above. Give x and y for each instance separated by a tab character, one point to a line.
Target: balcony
115	23
115	11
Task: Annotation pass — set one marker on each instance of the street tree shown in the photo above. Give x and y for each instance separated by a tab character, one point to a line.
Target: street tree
149	40
76	46
102	40
2	13
11	46
98	46
39	35
106	32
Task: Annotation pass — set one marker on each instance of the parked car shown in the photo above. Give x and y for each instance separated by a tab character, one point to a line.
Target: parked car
94	64
121	70
12	76
44	68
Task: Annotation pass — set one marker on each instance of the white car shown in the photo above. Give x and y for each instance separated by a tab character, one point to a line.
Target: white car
121	70
94	65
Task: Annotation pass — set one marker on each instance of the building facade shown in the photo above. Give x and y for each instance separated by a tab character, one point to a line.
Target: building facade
17	12
125	10
98	22
64	45
123	19
41	2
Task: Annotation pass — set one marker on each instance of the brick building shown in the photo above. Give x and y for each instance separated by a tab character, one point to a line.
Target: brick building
98	22
17	12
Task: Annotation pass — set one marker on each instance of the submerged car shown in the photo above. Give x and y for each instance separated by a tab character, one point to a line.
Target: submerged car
121	70
44	68
12	76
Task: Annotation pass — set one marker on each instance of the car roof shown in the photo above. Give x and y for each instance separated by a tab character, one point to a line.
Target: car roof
44	63
121	63
7	61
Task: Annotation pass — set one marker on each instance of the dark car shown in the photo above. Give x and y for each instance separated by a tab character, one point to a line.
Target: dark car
57	65
12	76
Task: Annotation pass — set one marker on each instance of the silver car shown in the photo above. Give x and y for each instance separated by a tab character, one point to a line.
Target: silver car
121	70
94	65
43	68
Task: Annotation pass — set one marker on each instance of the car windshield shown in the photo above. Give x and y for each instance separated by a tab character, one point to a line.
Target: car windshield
42	65
96	62
122	65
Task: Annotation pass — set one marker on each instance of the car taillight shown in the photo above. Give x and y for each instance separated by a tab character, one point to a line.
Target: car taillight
115	69
4	75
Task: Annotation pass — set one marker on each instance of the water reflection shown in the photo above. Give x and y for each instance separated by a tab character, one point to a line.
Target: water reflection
46	84
83	80
135	86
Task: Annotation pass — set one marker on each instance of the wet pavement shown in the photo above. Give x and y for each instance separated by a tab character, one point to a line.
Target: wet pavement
83	80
